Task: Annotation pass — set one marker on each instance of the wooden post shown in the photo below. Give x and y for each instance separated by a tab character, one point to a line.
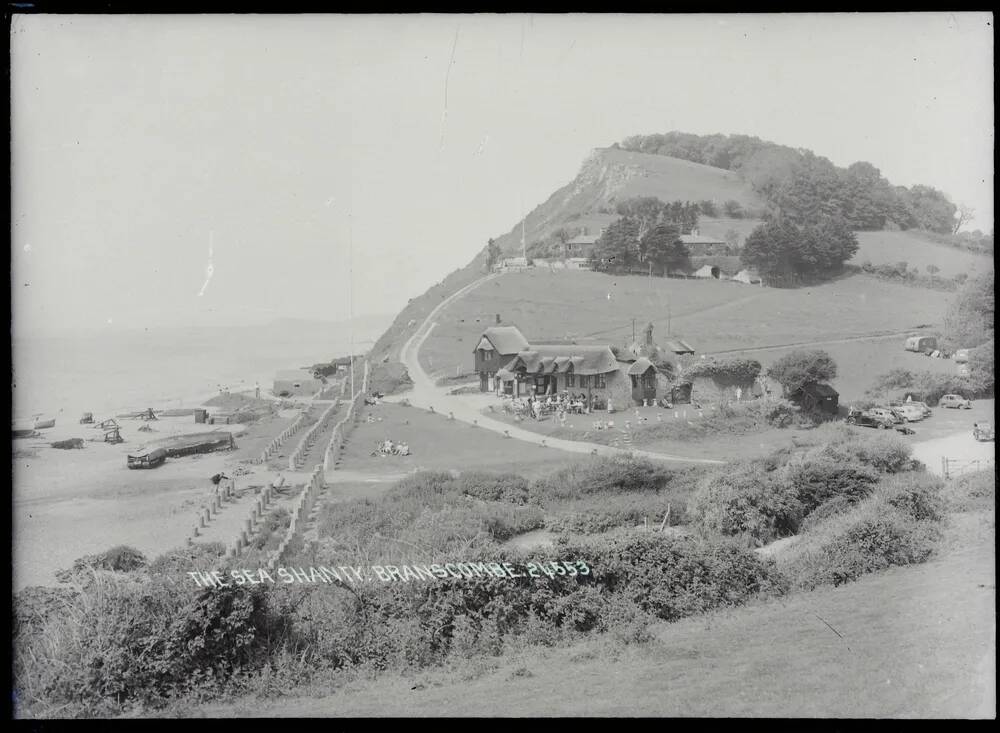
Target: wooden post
666	518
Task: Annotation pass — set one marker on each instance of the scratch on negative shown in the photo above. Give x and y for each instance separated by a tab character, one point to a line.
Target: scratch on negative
447	76
832	629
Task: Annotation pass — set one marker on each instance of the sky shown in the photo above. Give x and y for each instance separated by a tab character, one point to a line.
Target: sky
175	170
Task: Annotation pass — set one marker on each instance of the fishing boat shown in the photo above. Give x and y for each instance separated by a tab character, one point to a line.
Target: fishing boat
23	431
44	422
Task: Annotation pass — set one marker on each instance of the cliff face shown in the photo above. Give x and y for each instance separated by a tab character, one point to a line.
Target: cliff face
599	182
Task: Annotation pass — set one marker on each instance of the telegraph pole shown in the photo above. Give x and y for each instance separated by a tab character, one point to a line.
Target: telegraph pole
350	291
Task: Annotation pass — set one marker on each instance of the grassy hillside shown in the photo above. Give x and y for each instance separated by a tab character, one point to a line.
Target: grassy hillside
612	175
918	251
711	315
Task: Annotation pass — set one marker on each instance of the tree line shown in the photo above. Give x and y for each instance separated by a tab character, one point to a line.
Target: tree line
799	185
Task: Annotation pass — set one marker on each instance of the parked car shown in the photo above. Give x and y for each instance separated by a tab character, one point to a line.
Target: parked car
961	356
909	411
983	431
956	401
922	406
868	419
888	414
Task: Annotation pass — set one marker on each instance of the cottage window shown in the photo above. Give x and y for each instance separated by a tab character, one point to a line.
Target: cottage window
571	380
584	380
600	382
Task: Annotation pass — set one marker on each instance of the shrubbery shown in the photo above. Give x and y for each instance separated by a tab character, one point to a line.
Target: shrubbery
873	536
745	499
603	475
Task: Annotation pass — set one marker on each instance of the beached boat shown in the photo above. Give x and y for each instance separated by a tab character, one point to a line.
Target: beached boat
192	443
24	432
40	423
150	458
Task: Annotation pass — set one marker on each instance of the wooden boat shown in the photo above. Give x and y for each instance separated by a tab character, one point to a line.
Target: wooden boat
148	458
24	432
41	423
193	443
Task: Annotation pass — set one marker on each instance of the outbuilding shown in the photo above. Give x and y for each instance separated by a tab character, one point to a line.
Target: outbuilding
816	396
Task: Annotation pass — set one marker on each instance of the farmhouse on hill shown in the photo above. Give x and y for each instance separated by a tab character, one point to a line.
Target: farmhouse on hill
582	245
296	383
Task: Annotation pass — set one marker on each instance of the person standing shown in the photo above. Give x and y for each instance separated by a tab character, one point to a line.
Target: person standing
256	389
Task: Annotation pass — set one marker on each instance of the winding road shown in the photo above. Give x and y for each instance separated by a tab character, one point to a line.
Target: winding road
429	396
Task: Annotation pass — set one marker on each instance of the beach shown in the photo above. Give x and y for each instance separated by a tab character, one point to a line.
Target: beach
75	502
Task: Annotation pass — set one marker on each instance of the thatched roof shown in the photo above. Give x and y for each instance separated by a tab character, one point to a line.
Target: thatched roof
505	339
641	366
562	358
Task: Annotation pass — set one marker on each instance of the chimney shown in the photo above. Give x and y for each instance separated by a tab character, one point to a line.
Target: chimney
498	319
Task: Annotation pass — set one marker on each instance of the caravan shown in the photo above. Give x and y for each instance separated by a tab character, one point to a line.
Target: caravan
921	344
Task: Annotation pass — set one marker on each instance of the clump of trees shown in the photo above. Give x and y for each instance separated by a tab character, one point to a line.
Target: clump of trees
802	366
969	321
492	254
647	235
786	253
800	185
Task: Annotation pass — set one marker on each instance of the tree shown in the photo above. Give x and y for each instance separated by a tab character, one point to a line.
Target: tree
969	321
891	380
783	252
492	254
770	249
663	248
733	209
800	367
617	249
708	208
963	217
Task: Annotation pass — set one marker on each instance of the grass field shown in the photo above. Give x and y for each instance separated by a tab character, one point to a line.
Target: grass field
712	316
439	444
881	248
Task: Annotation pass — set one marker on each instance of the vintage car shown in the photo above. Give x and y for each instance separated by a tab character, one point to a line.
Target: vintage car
922	406
909	411
956	401
893	416
983	431
148	459
868	419
961	356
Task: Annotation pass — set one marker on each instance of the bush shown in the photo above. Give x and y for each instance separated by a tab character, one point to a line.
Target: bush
818	481
603	475
503	487
121	559
671	577
586	516
745	499
918	495
873	536
884	453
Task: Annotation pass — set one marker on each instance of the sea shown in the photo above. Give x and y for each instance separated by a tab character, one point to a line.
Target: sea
112	373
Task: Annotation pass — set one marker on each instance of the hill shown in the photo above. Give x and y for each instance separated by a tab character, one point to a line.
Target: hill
611	175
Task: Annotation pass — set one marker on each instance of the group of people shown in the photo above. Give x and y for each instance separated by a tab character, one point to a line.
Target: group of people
388	448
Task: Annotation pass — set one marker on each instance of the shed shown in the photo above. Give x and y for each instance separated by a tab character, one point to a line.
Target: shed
679	347
814	395
296	383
